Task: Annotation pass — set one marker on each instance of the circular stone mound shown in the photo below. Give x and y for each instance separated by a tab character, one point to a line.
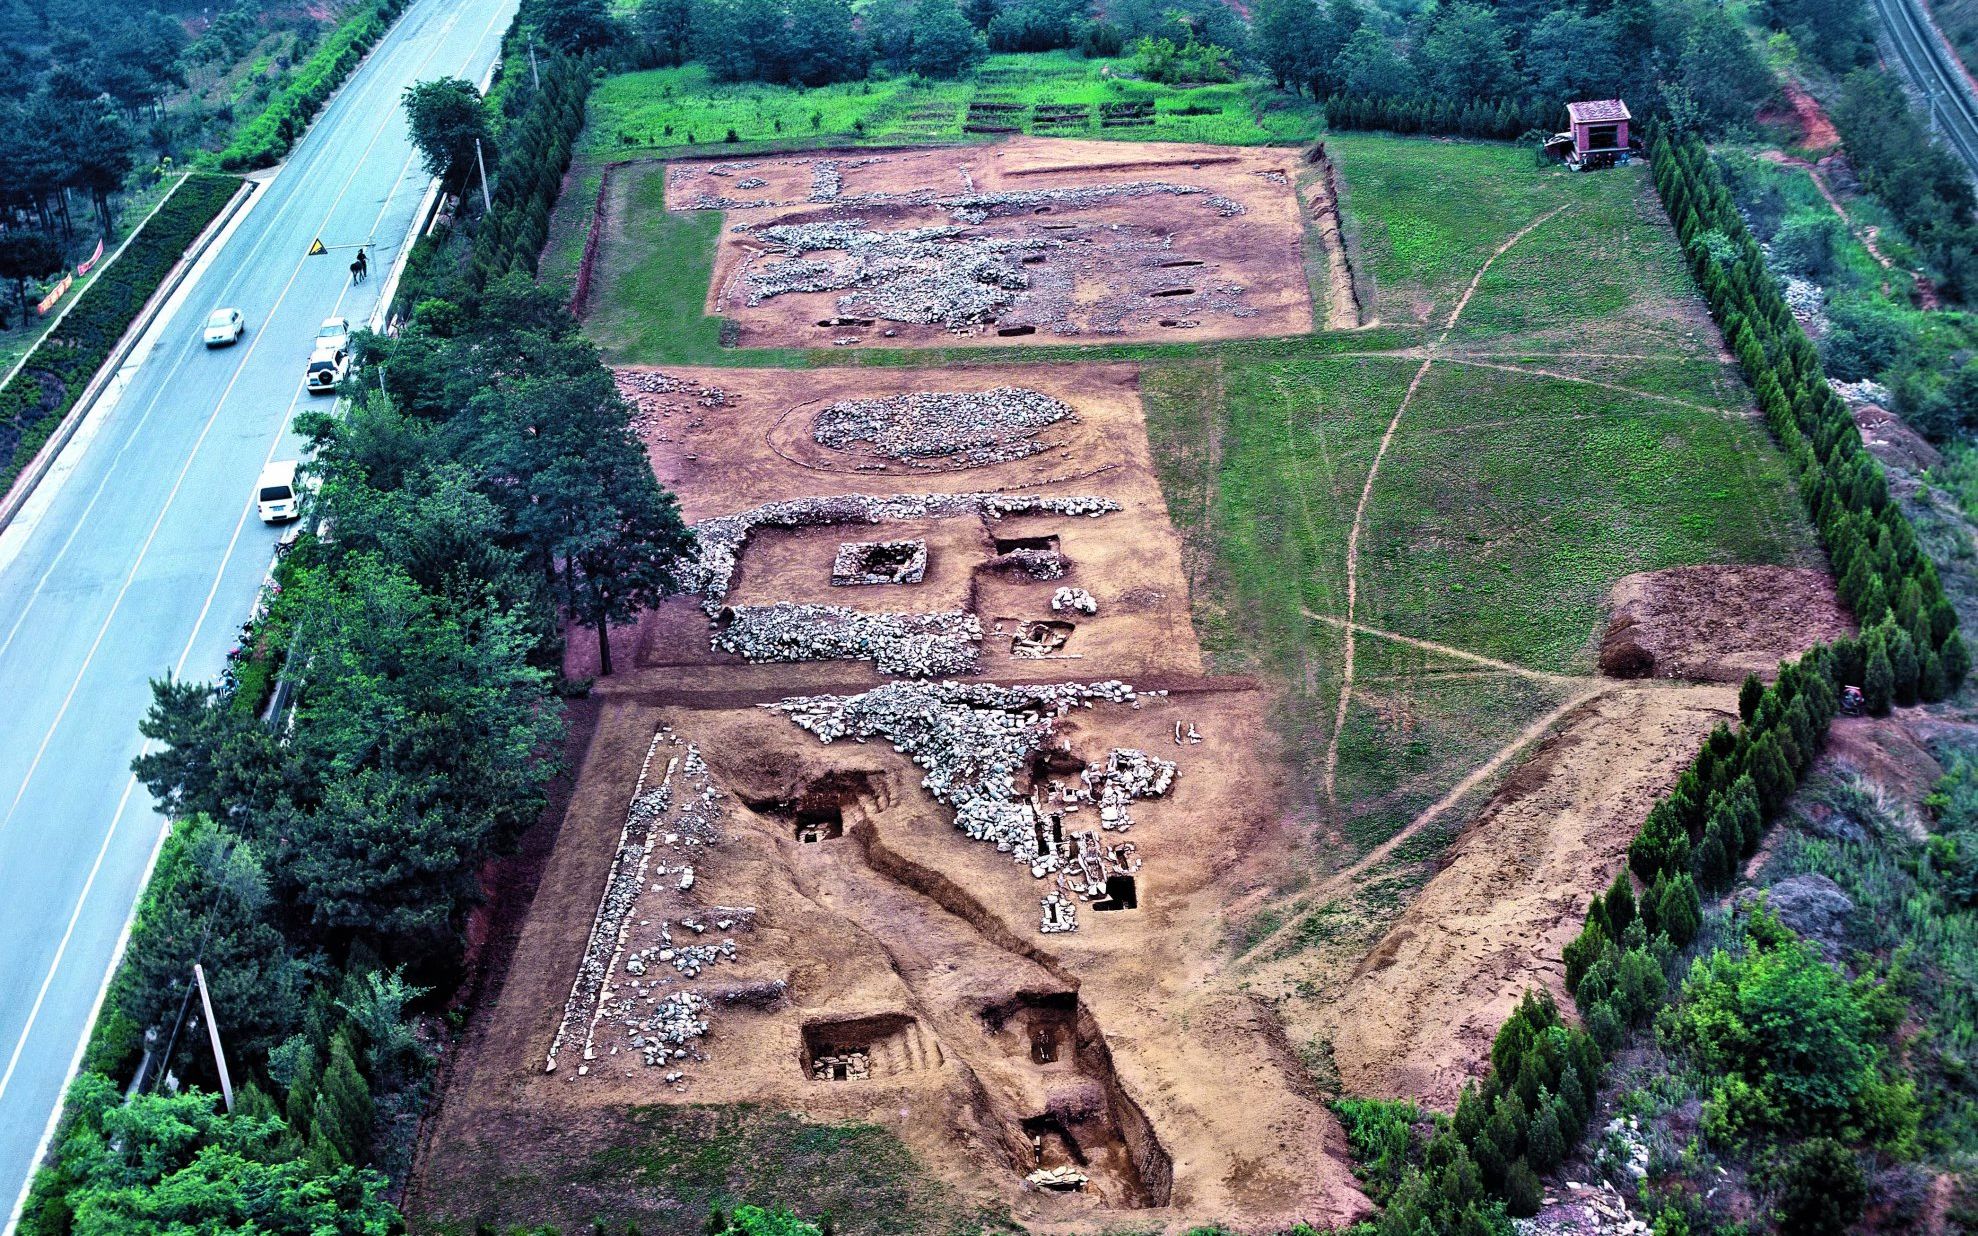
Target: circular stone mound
943	429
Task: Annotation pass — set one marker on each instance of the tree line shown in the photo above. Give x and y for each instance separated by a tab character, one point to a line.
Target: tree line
1482	69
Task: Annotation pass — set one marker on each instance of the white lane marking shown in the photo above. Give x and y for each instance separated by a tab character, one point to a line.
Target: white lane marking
123	940
165	319
226	392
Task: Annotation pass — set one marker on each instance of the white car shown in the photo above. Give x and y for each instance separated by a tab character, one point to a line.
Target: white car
274	494
334	334
327	365
224	326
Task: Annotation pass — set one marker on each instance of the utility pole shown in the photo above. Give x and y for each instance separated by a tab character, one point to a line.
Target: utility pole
213	1032
487	203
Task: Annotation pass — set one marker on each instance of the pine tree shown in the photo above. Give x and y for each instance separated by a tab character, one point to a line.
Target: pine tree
1681	910
1878	685
1771	774
343	1114
1522	1192
1548	1140
301	1101
1903	663
1620	902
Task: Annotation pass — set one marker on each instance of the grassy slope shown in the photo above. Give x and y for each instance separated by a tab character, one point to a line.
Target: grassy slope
1508	502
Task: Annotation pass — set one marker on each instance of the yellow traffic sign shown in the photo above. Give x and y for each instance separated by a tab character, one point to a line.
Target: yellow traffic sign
316	247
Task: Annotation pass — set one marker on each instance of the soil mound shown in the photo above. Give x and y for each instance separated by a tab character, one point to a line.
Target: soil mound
1718	623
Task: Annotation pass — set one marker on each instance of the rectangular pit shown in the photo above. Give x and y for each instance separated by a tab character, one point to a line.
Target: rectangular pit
861	563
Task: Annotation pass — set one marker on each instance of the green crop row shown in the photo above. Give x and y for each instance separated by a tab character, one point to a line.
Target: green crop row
266	138
55	373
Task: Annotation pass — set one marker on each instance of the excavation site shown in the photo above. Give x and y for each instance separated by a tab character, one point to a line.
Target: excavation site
1027	240
917	806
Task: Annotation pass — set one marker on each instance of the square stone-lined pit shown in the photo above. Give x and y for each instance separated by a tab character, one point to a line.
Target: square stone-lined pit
879	562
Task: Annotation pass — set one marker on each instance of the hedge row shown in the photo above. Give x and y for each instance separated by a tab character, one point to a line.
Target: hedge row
1482	118
70	356
535	152
262	141
1533	1101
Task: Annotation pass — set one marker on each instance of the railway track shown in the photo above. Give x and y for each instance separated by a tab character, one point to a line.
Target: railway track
1929	64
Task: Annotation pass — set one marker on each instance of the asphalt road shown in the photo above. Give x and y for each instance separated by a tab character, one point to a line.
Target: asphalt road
1932	67
140	553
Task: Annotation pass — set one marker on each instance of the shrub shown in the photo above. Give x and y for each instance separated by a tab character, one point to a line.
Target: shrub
265	139
1821	1188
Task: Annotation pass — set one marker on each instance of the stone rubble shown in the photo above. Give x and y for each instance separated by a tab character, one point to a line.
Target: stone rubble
627	982
1586	1210
973	740
1078	600
912	645
719	541
1036	640
956	428
826	181
928	275
1060	1179
1039	564
850	1066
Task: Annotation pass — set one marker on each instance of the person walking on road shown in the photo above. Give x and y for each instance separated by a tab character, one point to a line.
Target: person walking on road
359	267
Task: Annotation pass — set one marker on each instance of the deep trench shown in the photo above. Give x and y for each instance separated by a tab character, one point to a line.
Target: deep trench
1028	1037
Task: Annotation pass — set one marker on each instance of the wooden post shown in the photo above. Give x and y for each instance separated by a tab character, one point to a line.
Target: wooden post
213	1033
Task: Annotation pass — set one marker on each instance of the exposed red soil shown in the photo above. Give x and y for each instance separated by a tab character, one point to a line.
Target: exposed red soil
1718	623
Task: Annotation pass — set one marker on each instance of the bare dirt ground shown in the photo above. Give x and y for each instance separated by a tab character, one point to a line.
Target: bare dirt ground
1123	1051
1718	623
1416	1016
1081	240
1413	1014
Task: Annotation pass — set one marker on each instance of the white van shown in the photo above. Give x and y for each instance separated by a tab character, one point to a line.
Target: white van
275	498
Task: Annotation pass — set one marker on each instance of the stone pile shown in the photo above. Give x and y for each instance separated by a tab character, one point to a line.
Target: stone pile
751	182
913	645
1058	1179
672	1030
980	207
957	428
973	741
1041	564
1078	600
718	542
628	978
1125	775
930	276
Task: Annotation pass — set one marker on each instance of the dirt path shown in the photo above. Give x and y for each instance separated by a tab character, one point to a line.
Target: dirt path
1443	649
1418	1012
1866	235
1344	879
1330	778
1554	374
